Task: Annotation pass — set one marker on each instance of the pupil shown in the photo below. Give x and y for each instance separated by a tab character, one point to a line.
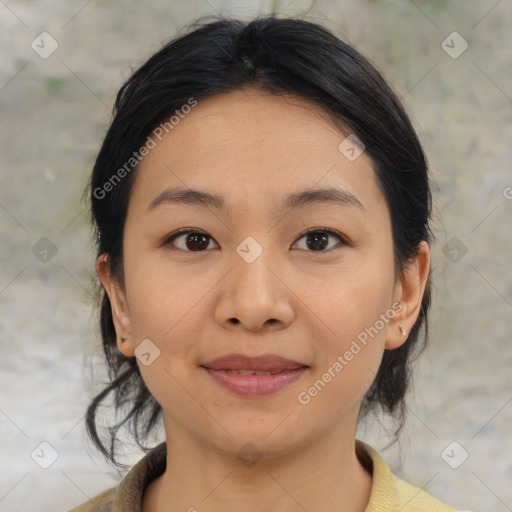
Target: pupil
198	241
317	239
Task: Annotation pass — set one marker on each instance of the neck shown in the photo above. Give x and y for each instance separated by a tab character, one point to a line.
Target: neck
322	475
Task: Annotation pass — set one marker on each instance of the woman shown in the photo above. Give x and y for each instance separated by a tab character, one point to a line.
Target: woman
262	207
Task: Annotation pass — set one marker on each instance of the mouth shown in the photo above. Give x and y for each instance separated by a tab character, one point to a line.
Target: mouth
254	376
263	363
250	372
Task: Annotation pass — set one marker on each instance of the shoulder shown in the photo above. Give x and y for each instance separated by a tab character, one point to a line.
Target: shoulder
392	493
414	499
128	494
100	503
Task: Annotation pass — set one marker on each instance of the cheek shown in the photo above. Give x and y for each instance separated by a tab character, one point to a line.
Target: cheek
354	314
354	302
158	298
348	360
169	310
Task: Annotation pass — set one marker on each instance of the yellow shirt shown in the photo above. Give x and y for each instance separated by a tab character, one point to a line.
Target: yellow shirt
389	493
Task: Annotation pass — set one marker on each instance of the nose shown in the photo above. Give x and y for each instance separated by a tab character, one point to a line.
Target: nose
254	296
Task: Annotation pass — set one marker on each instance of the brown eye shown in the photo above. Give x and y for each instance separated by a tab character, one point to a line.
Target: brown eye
318	240
189	240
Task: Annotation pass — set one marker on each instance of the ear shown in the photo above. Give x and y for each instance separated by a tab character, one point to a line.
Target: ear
409	292
119	304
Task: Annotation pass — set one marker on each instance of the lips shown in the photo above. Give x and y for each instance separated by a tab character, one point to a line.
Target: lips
244	365
254	377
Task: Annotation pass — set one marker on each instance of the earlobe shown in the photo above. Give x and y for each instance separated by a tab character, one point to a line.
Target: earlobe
409	292
397	333
119	305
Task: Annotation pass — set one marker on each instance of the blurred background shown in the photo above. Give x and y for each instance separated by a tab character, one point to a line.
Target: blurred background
62	64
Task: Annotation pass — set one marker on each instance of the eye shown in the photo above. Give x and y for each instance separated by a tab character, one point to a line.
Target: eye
317	239
190	240
194	241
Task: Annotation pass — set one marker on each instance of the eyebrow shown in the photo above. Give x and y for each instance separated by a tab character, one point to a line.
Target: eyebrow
300	199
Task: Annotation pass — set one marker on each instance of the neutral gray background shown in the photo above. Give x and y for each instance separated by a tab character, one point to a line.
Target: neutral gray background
54	113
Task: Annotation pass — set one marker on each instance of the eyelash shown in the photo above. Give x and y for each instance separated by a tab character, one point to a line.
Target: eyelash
328	231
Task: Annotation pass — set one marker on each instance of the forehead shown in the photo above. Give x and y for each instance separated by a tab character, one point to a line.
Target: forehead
253	147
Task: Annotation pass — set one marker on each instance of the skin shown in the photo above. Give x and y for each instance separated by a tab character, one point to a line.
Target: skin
305	305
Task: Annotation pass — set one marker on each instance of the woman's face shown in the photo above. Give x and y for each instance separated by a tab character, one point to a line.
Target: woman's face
251	282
